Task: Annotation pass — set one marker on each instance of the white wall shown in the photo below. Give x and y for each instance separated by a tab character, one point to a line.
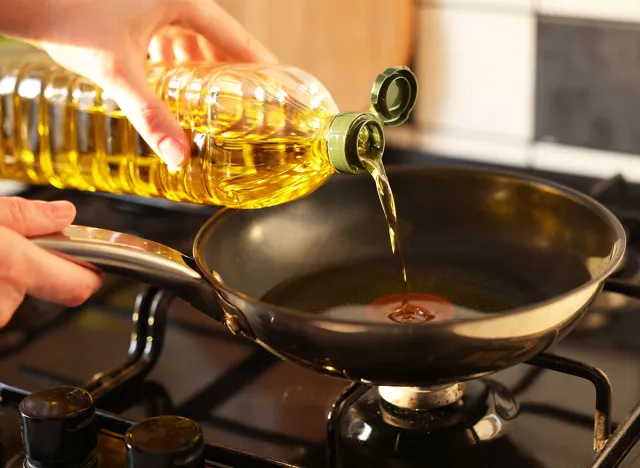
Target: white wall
476	65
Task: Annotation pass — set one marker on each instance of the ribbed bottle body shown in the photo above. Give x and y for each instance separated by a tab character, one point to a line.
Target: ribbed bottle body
256	133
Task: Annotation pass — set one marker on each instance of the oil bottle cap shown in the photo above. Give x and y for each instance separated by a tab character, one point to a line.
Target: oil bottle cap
394	95
351	136
354	136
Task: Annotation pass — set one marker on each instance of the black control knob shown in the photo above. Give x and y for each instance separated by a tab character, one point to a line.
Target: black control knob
165	442
58	428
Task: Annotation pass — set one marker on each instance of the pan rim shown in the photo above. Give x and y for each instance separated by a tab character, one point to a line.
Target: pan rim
619	249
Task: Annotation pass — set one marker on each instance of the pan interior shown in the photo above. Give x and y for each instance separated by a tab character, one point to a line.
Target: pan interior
472	287
483	242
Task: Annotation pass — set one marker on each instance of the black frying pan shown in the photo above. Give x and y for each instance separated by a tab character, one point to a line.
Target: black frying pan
519	259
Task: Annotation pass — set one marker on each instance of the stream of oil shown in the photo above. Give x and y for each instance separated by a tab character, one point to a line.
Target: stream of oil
405	311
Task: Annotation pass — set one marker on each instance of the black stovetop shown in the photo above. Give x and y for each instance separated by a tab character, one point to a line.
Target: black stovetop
251	406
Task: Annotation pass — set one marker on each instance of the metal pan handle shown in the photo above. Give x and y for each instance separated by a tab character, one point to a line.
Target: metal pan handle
136	258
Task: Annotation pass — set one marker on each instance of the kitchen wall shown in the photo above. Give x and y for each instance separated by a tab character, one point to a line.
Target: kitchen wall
551	84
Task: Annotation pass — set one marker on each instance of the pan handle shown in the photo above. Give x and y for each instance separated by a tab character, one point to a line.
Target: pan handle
136	258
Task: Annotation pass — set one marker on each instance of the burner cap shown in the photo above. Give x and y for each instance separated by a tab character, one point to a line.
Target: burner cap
165	442
418	398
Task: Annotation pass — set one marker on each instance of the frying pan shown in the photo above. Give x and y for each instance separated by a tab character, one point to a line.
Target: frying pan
524	255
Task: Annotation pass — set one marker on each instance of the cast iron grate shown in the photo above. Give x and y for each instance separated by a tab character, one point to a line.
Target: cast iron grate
150	320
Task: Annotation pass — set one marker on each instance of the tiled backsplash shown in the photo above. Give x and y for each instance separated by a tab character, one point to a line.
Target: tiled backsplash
552	84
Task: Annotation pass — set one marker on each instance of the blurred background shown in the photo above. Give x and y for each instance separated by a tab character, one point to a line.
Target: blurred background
546	84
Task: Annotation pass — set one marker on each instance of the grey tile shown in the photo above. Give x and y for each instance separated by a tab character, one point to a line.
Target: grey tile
588	83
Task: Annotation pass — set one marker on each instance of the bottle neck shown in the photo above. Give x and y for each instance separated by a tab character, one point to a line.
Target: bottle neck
352	137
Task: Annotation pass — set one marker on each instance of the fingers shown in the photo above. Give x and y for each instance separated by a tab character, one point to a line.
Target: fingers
28	269
35	218
25	268
186	47
161	49
217	32
207	50
153	120
224	32
10	299
179	45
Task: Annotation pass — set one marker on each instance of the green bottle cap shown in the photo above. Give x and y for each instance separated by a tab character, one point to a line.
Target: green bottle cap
351	137
394	95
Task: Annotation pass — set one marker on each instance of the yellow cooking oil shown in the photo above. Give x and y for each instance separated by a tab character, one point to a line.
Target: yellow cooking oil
260	135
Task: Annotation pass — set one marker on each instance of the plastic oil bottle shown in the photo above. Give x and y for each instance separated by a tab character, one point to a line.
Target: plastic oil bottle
260	135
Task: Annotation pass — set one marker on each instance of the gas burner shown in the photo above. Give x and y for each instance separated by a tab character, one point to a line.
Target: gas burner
367	430
417	398
388	427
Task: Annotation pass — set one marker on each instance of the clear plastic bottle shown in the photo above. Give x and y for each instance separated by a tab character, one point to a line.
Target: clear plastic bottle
260	135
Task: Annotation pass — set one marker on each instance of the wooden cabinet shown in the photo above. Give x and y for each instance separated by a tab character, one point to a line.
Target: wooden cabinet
344	43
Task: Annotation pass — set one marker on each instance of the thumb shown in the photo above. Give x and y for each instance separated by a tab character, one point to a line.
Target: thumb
35	218
151	117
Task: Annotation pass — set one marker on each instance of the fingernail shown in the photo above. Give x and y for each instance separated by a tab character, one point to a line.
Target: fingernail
171	152
61	209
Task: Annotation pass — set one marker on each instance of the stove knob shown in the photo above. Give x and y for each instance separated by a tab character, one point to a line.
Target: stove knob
58	427
165	442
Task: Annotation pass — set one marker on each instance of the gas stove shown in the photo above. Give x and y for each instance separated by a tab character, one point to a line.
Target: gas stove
135	377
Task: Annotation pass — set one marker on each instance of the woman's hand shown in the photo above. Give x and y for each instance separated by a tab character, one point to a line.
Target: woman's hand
107	41
26	268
